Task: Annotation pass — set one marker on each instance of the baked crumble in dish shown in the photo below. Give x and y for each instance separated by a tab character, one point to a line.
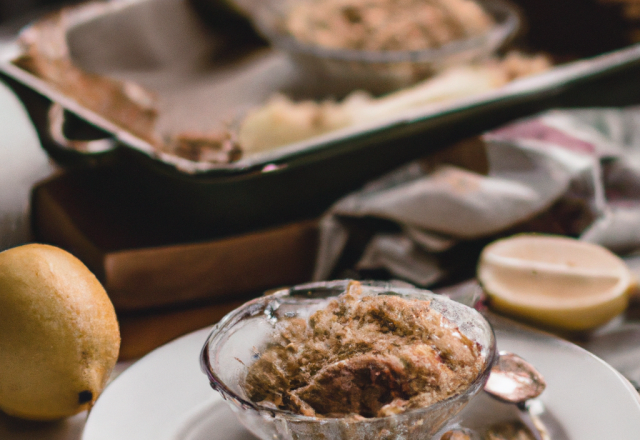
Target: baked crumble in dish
364	356
345	359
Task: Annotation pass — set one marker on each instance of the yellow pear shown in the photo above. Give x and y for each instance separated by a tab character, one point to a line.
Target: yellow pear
59	336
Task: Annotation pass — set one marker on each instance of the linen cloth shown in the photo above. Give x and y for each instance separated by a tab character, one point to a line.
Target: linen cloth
573	172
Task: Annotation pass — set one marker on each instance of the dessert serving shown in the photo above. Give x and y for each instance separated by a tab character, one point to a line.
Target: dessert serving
344	359
364	356
386	25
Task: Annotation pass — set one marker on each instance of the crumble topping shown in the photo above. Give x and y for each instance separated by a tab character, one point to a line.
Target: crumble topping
364	356
380	25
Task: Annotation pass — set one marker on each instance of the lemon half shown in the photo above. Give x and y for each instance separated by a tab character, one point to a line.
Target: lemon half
557	282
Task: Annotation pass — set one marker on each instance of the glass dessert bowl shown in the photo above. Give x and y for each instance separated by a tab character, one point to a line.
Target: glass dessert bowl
236	345
334	60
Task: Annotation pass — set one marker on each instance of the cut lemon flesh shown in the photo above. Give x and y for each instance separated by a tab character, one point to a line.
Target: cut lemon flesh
555	281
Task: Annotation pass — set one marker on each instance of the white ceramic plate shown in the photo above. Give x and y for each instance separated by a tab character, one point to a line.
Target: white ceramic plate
165	396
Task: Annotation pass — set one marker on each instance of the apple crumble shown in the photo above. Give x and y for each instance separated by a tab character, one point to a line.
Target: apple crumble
364	356
379	25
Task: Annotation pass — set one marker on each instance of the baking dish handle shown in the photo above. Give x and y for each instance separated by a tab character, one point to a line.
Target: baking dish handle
56	119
